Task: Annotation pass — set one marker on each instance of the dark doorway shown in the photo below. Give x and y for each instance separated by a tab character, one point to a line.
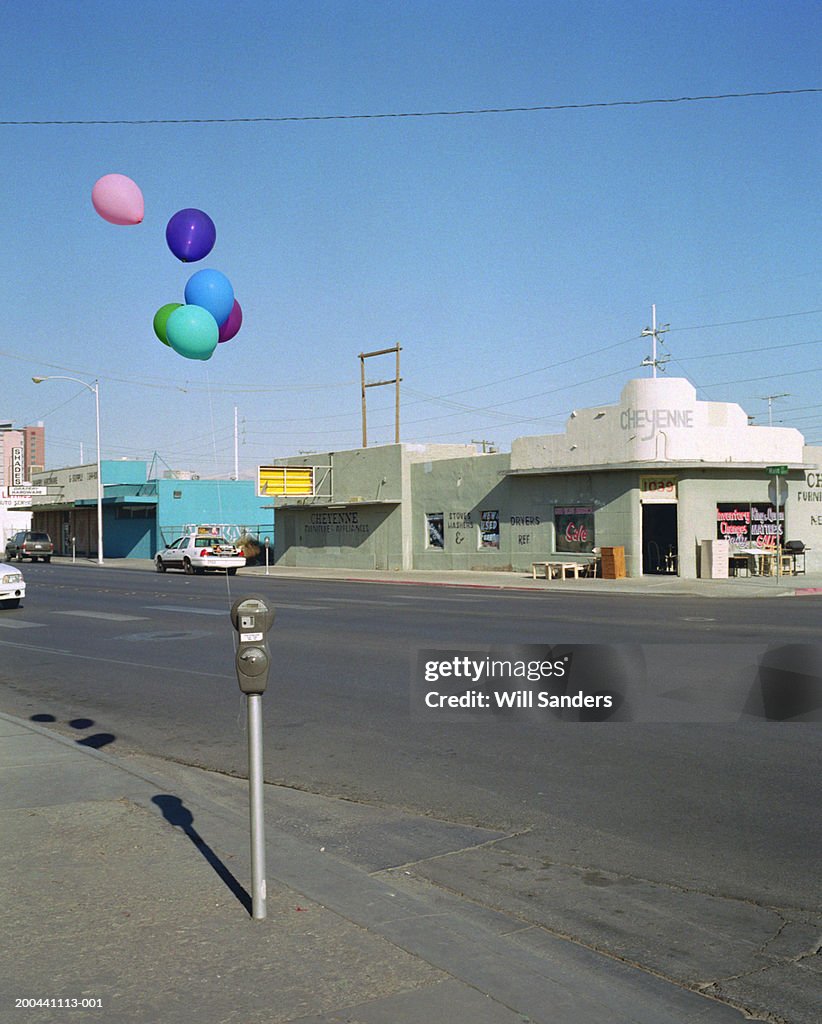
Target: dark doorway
659	541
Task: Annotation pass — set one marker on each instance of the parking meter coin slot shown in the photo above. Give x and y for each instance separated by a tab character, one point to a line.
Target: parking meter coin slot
253	663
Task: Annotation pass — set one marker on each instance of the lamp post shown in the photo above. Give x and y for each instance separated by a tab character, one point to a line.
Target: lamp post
95	387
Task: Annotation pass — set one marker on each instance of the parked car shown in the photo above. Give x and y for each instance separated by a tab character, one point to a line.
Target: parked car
199	552
12	586
27	544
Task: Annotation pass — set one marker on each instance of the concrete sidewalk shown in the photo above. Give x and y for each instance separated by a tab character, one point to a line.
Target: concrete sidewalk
741	587
126	885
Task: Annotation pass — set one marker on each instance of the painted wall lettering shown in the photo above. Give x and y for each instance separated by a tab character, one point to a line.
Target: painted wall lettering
336	522
655	419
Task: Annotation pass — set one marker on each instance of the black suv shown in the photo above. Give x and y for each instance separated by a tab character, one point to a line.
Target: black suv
29	545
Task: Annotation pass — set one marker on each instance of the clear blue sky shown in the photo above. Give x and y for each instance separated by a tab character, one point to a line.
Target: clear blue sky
514	256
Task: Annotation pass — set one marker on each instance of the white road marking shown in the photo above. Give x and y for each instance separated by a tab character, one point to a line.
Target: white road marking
187	608
114	661
111	616
17	623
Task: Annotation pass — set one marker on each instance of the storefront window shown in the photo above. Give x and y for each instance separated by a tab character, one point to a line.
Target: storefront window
435	530
749	524
574	526
489	529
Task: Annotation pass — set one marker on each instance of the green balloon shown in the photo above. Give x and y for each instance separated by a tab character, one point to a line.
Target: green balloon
161	319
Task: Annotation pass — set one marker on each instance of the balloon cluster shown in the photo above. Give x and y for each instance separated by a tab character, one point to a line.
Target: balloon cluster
210	314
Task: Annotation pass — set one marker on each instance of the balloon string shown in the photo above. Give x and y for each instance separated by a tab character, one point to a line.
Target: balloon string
217	471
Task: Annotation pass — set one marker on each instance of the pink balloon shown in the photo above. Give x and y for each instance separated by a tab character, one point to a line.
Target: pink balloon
233	324
118	199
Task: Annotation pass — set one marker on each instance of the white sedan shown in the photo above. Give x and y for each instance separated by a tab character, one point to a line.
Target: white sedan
12	586
198	553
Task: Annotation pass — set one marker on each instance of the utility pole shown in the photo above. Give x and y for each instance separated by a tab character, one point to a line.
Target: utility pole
770	400
655	333
379	383
490	446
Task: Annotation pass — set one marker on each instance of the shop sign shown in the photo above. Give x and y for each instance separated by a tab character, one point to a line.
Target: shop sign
574	526
750	524
489	529
17	475
657	488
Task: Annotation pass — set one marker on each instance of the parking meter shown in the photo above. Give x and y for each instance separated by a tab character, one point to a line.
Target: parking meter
252	618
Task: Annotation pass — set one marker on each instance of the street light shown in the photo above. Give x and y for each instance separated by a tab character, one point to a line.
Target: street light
95	387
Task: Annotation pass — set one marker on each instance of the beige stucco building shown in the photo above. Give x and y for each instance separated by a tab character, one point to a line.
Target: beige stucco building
657	473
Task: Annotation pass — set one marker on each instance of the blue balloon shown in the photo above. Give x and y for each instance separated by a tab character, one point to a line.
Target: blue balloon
192	332
211	290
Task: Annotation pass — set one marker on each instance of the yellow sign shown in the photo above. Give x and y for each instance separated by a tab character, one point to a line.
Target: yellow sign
285	480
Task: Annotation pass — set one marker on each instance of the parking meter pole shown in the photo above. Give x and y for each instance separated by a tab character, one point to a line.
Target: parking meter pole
778	531
266	556
255	799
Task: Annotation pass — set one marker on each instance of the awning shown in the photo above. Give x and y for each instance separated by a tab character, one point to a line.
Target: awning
652	467
331	506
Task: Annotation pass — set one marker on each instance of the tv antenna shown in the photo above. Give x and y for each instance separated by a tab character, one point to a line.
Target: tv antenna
770	400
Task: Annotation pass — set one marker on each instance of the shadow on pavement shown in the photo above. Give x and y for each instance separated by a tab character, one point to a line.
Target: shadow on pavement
176	813
96	740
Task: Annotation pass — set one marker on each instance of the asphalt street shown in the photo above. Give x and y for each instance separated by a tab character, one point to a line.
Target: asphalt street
621	834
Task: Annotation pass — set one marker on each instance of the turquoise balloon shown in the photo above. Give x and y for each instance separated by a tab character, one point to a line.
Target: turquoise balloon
213	291
192	332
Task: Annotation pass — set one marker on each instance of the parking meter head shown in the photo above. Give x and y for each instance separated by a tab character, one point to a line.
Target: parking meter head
252	618
251	615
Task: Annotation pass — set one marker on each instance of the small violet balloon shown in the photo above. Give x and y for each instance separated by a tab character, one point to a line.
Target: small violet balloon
118	199
191	235
161	320
213	291
233	324
192	332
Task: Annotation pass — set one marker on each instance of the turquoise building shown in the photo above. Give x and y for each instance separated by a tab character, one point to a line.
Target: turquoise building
140	515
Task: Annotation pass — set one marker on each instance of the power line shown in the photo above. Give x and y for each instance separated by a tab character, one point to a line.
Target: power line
756	320
414	113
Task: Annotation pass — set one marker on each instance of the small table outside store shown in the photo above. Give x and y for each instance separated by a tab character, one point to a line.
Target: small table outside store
562	569
761	561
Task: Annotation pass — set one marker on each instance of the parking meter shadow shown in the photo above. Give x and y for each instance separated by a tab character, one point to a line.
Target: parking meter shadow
176	813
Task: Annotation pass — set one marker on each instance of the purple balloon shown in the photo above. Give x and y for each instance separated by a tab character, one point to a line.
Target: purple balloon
233	324
191	235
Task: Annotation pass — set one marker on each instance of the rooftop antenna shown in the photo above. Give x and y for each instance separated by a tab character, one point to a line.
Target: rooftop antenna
770	400
655	333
